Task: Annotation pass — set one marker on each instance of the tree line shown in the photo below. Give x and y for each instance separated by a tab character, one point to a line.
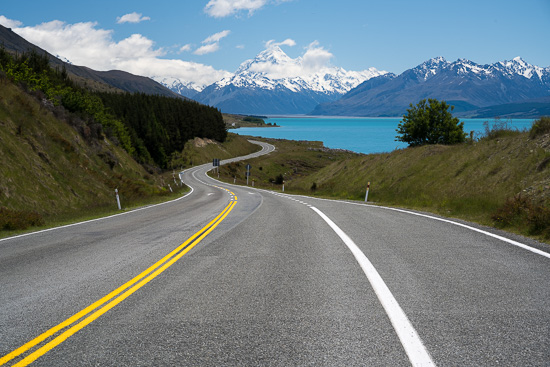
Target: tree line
148	127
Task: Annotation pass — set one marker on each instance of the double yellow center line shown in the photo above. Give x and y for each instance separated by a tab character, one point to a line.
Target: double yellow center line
83	318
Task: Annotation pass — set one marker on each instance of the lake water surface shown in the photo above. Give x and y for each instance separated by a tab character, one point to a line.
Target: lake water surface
362	135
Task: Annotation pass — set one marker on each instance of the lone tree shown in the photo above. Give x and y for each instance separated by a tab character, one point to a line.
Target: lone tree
430	123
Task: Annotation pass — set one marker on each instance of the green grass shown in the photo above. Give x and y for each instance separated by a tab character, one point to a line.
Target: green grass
50	173
474	181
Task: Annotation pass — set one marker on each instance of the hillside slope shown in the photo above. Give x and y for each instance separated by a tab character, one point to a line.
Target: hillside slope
58	166
502	179
49	167
99	80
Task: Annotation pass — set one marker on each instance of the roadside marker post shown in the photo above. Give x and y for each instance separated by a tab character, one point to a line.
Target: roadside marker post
367	194
117	199
283	186
248	166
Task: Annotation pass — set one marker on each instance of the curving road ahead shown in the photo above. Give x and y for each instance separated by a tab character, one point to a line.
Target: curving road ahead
233	276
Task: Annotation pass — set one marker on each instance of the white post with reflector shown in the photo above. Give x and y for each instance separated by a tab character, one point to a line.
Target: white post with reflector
117	199
367	194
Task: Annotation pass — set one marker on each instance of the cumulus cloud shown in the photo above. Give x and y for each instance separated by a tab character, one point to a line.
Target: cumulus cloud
224	8
314	59
9	23
85	44
191	72
132	18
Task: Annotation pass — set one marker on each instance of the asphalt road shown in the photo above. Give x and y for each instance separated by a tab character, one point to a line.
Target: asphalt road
266	279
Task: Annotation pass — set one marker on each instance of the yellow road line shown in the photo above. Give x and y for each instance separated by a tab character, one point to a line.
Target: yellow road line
186	246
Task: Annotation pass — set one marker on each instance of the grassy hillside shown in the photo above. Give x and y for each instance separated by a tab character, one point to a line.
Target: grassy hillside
56	167
502	179
198	151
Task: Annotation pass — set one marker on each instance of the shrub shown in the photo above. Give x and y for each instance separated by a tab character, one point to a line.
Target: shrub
523	213
540	127
499	129
14	219
430	122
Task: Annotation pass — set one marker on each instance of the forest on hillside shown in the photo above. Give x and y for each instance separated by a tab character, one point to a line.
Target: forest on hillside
149	127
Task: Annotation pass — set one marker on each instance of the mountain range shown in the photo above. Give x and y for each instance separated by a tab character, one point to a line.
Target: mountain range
475	90
274	83
512	88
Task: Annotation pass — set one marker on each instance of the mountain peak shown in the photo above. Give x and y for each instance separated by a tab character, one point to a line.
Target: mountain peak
518	66
518	59
431	67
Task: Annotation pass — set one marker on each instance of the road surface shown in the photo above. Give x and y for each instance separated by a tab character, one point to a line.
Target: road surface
234	276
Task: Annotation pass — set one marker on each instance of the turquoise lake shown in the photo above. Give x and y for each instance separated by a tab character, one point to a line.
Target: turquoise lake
362	135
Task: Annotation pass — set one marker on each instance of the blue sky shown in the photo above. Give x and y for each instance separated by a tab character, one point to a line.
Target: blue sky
210	38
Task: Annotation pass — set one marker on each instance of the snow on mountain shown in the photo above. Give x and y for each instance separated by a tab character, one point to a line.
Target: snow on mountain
274	83
188	89
273	68
517	66
466	85
431	67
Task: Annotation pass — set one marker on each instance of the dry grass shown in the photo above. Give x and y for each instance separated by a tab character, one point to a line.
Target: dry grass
475	181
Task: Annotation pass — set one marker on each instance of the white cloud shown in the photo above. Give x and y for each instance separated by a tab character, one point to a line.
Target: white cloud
240	47
212	43
207	49
216	37
185	48
224	8
9	23
186	71
316	57
132	18
314	60
287	42
85	44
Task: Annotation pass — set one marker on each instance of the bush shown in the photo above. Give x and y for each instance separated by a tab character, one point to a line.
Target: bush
14	219
430	123
523	213
540	127
499	129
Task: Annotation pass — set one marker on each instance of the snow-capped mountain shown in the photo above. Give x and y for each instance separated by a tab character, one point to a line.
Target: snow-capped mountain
466	85
188	90
272	68
274	83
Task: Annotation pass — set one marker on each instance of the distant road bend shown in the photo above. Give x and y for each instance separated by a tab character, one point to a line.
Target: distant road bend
237	276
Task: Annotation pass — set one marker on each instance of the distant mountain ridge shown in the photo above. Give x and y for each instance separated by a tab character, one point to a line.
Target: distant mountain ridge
261	86
114	78
468	86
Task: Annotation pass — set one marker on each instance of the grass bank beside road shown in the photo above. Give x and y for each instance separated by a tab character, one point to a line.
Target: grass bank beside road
501	179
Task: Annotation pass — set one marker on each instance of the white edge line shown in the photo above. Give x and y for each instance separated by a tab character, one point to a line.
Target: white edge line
97	219
510	241
415	349
139	209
